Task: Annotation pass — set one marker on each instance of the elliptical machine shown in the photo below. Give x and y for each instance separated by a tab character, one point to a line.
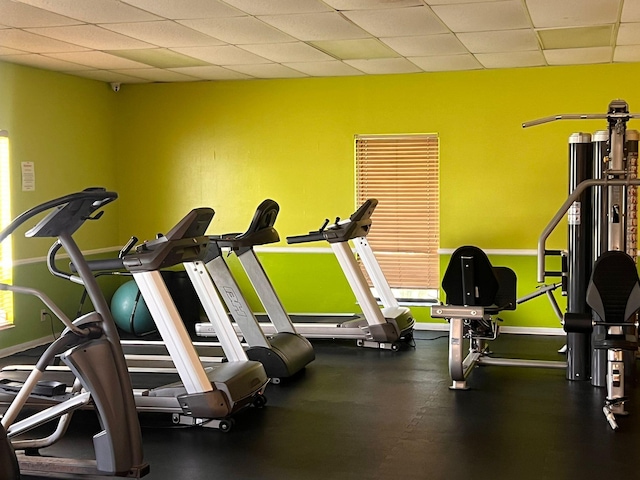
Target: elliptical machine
90	347
8	459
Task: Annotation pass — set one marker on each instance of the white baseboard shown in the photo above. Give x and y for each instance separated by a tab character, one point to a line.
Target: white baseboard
6	352
534	331
423	326
439	327
433	327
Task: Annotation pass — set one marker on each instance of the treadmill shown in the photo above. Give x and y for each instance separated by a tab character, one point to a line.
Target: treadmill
203	395
283	352
382	328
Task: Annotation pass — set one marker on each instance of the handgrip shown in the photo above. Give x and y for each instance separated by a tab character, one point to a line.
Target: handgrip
310	237
110	264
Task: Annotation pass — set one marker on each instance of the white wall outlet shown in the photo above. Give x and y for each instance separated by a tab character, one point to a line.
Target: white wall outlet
43	315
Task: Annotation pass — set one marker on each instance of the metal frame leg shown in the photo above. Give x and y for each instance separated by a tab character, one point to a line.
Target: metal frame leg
615	387
456	346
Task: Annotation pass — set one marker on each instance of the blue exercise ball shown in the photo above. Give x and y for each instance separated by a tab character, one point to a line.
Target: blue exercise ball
129	310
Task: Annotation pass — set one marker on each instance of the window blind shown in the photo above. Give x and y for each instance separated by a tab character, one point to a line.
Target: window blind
6	268
402	173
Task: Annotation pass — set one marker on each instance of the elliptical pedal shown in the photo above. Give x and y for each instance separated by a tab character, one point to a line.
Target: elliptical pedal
44	388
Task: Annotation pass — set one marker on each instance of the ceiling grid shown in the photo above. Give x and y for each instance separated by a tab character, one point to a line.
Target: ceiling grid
142	41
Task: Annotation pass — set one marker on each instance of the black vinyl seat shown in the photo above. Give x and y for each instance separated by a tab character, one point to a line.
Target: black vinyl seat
471	280
614	295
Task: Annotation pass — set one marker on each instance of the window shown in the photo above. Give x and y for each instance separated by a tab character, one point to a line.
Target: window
401	172
6	269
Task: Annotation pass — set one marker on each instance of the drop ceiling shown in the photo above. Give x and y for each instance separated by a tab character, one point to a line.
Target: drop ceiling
141	41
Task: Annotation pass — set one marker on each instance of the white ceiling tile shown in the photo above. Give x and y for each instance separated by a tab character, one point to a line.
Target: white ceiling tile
292	38
211	73
500	41
238	30
627	53
420	46
371	4
396	22
316	26
384	65
94	11
159	58
361	48
630	11
20	15
222	55
288	52
99	60
10	51
109	77
44	62
182	9
485	16
90	36
272	70
449	2
30	42
629	34
576	37
164	34
511	59
576	56
443	63
333	68
573	13
279	7
157	75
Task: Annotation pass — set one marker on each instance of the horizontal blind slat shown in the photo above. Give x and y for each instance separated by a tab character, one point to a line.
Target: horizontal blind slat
402	173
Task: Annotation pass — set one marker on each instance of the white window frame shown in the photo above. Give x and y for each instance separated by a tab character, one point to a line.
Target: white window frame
6	255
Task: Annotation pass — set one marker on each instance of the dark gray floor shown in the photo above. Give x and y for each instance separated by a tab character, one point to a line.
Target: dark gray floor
366	414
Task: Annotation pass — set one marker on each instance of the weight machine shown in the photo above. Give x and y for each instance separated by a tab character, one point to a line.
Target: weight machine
602	217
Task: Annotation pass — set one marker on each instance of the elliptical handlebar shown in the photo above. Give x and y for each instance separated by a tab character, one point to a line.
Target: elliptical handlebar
76	210
71	212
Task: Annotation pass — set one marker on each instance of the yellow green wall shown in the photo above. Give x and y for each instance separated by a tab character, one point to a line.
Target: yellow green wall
65	125
231	144
167	148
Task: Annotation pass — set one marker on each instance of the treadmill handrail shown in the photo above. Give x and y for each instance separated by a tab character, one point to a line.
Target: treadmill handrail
356	226
172	253
310	237
185	242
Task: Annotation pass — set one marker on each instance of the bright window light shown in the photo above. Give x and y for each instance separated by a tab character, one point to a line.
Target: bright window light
6	267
